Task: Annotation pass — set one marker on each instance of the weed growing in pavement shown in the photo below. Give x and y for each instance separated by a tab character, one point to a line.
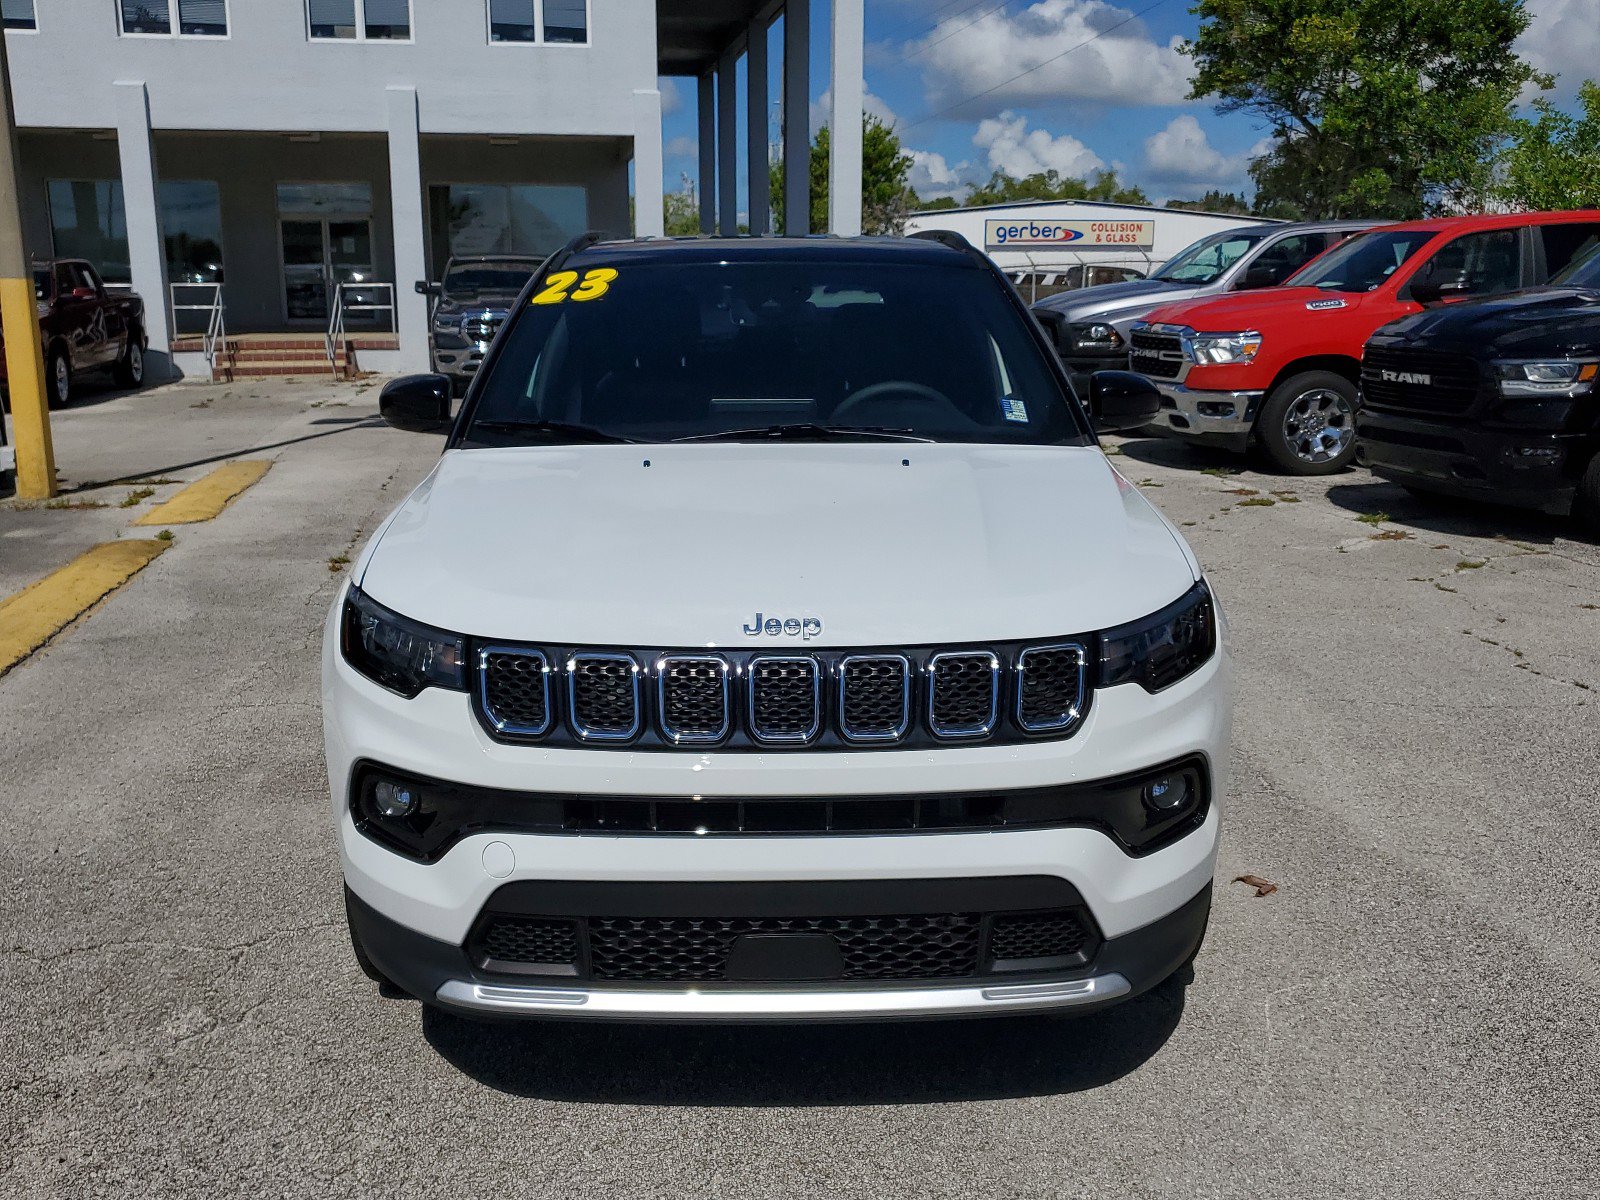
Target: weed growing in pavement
338	562
1442	588
1243	491
135	496
66	502
155	482
1377	518
1258	502
1467	564
1390	535
1111	451
1287	497
1222	472
164	536
1150	483
1590	607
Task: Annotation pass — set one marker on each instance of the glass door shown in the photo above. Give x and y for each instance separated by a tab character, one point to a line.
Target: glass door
320	254
350	262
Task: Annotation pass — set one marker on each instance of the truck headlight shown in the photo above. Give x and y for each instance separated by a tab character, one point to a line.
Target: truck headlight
1219	349
447	322
1559	378
1164	647
1096	335
397	653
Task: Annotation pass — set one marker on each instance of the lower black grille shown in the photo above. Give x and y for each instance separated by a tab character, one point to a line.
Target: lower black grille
964	694
1418	380
1038	935
551	941
1158	355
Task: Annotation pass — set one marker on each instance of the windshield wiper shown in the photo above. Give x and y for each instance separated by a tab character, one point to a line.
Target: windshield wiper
555	429
807	431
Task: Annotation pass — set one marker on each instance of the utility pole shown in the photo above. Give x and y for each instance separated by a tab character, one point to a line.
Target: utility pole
19	321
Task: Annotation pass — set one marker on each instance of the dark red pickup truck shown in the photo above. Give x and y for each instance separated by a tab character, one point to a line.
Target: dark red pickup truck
85	327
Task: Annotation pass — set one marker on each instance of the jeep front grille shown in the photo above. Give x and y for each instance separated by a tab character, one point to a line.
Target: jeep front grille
656	699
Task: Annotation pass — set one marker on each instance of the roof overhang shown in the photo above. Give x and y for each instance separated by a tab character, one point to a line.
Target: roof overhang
692	34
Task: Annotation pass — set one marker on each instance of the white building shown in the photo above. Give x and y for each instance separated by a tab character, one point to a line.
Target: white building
295	156
1051	245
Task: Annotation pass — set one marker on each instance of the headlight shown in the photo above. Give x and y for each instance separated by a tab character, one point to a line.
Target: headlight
401	655
1209	349
447	322
1562	377
1094	336
1161	649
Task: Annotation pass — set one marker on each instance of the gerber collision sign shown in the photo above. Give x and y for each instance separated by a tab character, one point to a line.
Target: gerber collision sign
1000	234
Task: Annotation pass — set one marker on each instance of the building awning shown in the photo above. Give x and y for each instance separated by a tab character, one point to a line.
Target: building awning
691	34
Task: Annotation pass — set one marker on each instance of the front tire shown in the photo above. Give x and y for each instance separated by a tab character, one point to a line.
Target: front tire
1308	424
130	367
58	379
1587	506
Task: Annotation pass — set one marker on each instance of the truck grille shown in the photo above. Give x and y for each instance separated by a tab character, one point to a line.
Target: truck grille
1158	355
1410	380
481	329
825	699
697	949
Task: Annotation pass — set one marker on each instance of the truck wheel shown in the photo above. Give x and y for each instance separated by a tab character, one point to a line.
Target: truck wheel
130	367
58	379
1308	424
1587	508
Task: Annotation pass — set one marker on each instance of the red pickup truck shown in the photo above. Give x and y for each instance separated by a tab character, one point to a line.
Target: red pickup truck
85	327
1278	369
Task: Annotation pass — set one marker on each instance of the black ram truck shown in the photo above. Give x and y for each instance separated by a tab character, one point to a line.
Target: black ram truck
85	326
1492	400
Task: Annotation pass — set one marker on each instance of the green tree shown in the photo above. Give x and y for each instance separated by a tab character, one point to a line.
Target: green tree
1384	108
681	210
1554	159
1214	201
1052	185
885	167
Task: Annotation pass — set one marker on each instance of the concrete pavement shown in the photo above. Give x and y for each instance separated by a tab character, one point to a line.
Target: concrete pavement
1412	1013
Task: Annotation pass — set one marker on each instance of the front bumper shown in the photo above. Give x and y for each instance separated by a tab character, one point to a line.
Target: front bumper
1473	462
1222	419
460	365
441	973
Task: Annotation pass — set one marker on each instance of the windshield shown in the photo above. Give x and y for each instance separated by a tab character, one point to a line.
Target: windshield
1208	259
41	283
1582	272
1364	263
487	277
815	351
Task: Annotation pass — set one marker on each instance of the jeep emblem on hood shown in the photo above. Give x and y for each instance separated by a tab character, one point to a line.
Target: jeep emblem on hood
769	625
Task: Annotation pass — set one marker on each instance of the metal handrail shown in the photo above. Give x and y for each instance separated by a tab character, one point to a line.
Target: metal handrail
336	317
216	321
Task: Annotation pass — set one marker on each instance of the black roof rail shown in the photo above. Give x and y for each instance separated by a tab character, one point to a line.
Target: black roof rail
582	242
949	237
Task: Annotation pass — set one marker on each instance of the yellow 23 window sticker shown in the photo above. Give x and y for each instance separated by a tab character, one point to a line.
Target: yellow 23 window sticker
558	287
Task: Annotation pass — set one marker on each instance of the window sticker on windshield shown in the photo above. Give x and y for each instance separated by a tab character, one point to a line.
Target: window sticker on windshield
558	287
1014	409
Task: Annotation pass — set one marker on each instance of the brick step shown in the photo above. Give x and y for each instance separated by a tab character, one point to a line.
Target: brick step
250	355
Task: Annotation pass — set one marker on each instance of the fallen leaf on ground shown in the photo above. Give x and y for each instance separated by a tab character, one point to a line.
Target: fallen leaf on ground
1262	887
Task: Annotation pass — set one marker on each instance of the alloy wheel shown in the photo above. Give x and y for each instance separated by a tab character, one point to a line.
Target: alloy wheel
1318	425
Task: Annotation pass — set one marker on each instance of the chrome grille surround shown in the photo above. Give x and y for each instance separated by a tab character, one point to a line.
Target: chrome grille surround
1035	690
676	692
778	679
856	688
592	678
956	687
518	661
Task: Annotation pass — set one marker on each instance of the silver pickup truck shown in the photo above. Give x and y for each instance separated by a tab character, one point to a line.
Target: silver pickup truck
1090	326
471	303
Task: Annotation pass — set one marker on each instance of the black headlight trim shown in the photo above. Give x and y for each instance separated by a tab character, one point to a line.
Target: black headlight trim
419	656
1164	648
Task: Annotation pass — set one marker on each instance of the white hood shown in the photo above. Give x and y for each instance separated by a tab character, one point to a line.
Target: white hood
681	546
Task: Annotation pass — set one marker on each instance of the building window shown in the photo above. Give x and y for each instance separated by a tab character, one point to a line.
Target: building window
566	20
191	218
180	18
360	20
512	21
17	14
87	220
497	218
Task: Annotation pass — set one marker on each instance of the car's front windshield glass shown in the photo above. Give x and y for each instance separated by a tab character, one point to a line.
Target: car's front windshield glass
1364	263
758	350
473	278
1583	272
1207	260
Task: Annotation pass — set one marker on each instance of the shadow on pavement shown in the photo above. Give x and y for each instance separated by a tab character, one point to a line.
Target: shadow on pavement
1183	456
1365	493
910	1062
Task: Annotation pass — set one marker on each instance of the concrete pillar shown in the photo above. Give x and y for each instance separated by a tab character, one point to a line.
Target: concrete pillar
409	226
797	117
707	138
728	142
844	159
649	219
147	251
759	203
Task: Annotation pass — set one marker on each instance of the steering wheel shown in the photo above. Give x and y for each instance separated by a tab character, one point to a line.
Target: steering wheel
921	393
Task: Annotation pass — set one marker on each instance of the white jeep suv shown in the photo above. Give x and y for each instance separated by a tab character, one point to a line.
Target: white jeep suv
772	641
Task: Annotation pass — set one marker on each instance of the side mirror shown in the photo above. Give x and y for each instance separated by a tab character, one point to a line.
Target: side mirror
1258	277
1122	400
416	403
1053	323
424	288
84	293
1430	290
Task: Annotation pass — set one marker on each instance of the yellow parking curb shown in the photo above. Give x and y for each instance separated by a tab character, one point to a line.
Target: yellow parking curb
205	498
41	610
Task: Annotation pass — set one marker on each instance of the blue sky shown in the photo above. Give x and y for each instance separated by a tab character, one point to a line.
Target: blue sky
1109	90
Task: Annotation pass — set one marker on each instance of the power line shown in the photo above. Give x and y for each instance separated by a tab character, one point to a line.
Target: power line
941	13
984	16
1053	58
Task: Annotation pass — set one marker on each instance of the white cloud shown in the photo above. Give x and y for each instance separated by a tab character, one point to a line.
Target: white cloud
822	110
1183	154
1017	150
671	97
681	146
1561	40
932	175
1084	50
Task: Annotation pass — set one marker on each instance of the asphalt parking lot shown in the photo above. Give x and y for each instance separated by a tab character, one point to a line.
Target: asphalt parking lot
1412	1013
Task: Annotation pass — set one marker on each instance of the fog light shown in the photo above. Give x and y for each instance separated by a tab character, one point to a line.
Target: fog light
1211	408
394	799
1167	794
